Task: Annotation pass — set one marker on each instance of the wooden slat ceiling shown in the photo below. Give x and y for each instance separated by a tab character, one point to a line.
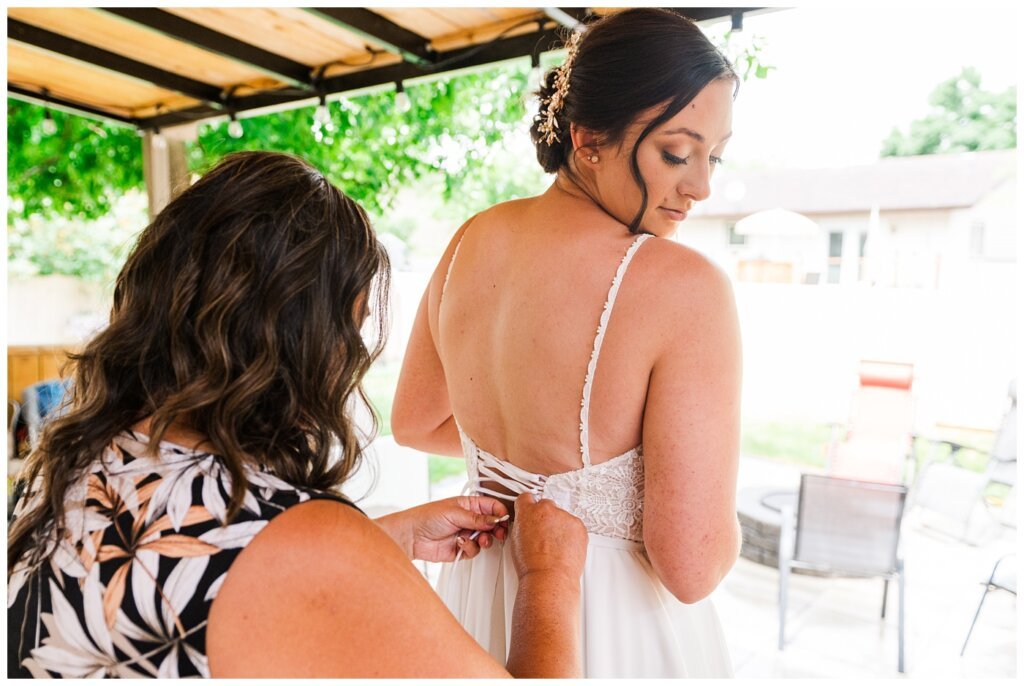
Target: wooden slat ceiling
159	67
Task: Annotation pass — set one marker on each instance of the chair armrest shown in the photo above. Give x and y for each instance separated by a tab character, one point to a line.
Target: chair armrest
787	534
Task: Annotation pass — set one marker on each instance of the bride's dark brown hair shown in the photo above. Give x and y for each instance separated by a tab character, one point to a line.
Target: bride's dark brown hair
237	316
628	62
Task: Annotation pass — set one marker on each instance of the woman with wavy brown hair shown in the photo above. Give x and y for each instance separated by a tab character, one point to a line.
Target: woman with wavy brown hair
208	429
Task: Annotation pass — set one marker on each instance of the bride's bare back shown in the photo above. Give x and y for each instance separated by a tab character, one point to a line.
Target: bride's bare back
517	327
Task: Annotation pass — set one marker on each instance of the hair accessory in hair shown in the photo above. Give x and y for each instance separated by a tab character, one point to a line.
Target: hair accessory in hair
552	105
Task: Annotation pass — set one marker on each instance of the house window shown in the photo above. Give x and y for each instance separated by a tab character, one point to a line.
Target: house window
835	255
977	239
736	238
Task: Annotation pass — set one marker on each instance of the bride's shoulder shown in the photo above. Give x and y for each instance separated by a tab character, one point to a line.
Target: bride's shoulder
684	277
503	212
667	259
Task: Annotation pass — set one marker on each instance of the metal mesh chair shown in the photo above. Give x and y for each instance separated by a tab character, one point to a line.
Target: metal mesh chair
1004	577
955	493
844	528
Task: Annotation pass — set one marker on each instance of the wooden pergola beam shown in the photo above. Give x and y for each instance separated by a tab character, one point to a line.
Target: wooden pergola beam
473	56
50	100
197	35
377	29
104	59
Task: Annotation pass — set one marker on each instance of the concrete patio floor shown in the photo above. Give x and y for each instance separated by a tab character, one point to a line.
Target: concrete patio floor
834	628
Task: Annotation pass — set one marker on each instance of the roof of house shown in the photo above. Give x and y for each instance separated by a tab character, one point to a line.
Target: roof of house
893	183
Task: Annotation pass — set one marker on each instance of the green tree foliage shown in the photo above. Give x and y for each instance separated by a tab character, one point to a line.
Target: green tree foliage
78	170
964	118
371	150
458	136
93	250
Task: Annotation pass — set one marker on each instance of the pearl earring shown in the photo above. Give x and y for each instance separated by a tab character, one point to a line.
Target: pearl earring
594	159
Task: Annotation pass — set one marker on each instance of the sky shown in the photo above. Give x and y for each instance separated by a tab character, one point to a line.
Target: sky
847	74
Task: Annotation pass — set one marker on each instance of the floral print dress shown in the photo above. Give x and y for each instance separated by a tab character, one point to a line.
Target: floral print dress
127	592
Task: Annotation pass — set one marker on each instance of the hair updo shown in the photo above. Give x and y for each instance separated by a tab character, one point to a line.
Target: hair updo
626	63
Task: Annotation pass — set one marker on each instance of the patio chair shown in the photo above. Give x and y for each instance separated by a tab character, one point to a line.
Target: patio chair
39	402
13	410
1002	466
877	439
844	528
956	493
1003	577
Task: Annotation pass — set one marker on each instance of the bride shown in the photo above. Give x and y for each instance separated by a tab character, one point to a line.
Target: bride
565	346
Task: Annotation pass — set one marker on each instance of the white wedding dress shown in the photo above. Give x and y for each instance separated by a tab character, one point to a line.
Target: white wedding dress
632	625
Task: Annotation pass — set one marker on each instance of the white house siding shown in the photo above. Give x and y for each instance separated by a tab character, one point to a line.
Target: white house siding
923	298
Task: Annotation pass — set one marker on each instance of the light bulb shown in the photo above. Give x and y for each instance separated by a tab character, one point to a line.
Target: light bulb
402	102
322	115
49	125
235	129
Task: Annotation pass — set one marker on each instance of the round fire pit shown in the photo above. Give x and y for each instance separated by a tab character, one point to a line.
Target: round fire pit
760	515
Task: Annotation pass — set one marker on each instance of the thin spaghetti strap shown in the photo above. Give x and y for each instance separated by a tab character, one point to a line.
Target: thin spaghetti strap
598	340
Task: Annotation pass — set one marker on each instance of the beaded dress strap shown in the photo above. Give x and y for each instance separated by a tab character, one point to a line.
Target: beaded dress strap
598	340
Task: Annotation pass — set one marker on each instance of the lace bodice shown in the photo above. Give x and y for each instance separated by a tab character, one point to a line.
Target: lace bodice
608	497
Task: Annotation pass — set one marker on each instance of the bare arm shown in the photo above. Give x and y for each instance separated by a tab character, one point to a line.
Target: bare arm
323	591
549	567
421	415
691	436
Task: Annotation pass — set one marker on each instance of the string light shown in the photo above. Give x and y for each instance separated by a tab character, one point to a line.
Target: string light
158	140
322	116
49	125
737	21
235	129
402	102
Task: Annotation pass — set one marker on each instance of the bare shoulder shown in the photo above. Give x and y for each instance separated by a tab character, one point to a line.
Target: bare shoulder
685	280
304	531
321	591
503	212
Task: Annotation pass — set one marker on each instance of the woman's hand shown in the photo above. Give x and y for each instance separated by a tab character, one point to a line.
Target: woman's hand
436	531
546	538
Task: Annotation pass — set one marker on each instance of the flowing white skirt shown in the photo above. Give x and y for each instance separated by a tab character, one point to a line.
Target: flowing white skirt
632	625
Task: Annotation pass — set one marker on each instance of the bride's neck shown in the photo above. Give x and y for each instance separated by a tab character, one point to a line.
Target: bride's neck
576	190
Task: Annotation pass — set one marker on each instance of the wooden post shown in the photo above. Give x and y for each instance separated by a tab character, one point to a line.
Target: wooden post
165	165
